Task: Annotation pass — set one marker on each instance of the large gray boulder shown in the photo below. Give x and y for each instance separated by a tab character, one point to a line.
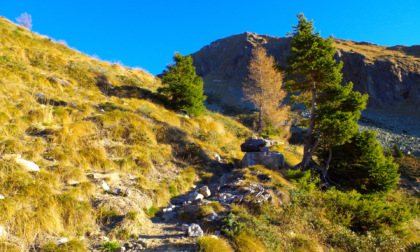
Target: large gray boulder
269	159
194	230
253	145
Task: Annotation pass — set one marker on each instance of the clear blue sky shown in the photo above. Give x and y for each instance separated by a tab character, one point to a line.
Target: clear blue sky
147	33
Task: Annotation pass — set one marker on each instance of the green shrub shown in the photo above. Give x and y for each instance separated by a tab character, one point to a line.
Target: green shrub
361	164
110	246
152	211
231	225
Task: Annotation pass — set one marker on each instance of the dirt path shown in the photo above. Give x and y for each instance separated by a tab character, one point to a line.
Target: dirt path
162	236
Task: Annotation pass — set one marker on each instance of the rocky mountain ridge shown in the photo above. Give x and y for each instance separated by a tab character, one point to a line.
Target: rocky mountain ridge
390	75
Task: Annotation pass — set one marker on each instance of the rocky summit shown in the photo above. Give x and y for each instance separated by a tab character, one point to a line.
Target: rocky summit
390	75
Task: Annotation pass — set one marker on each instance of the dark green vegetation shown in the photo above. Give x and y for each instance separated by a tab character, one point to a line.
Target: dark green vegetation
182	87
303	217
355	159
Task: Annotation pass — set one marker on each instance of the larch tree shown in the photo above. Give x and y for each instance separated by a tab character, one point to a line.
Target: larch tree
310	70
263	88
183	88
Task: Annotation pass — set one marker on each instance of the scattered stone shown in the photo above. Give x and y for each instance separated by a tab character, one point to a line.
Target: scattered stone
72	182
105	186
272	142
91	176
217	157
3	232
205	191
28	165
115	191
120	249
212	217
196	197
1	196
40	96
104	238
238	199
184	227
253	145
171	206
61	241
166	210
194	230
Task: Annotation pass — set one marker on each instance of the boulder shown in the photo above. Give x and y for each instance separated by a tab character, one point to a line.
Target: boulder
253	145
194	230
205	191
269	159
28	165
196	197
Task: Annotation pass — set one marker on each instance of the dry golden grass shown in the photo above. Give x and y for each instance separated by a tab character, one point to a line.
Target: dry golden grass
53	113
213	244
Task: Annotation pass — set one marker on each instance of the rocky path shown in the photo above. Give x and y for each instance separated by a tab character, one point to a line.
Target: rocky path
162	236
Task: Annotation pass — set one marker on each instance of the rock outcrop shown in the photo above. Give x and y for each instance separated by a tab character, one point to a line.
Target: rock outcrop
390	75
258	154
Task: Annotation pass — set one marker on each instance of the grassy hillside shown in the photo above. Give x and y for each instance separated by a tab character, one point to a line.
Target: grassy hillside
73	115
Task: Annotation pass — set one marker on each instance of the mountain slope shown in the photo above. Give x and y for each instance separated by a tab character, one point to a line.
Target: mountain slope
86	122
390	75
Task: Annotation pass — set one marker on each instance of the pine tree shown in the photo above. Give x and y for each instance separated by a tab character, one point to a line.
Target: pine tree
337	115
361	164
310	70
184	89
263	88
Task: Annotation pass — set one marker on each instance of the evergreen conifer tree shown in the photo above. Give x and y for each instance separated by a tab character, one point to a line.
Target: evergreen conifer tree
184	89
310	70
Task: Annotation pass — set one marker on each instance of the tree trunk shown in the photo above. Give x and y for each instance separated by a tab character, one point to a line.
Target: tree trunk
308	150
327	166
259	125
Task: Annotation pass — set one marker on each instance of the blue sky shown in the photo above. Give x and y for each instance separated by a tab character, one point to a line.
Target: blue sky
147	33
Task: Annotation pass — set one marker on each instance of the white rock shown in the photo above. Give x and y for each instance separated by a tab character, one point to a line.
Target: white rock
194	230
165	210
61	241
1	196
105	186
3	233
104	238
196	196
217	157
29	165
205	191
